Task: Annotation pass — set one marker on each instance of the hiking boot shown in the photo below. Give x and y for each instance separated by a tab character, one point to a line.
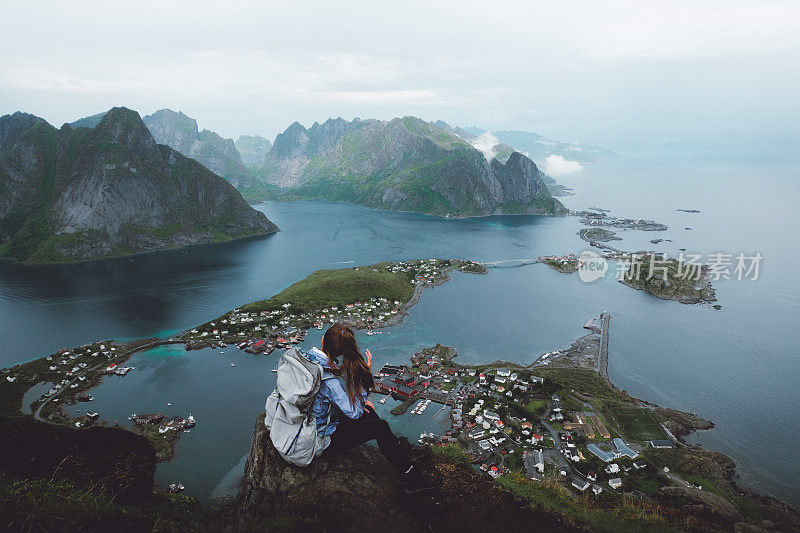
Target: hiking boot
416	454
418	480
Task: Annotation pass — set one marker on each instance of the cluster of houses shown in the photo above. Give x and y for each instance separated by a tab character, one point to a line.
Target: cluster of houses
164	424
72	366
375	311
566	261
491	437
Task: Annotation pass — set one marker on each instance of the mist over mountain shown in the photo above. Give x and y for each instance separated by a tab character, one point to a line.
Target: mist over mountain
253	149
82	193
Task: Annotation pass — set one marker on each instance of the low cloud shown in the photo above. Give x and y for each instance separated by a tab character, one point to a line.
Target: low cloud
556	165
486	142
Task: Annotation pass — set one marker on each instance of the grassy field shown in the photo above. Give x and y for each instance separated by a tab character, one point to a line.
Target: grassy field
537	407
327	288
638	424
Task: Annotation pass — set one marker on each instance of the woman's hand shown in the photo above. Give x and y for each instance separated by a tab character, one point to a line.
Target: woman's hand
368	359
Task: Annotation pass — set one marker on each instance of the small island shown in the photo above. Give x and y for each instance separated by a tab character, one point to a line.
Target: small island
665	278
598	234
566	264
594	219
669	279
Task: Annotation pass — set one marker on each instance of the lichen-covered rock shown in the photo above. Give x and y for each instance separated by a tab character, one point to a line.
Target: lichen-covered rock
359	491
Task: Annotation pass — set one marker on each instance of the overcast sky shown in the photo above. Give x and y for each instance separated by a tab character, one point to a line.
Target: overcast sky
612	73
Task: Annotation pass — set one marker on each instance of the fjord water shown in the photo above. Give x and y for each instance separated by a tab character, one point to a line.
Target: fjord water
737	367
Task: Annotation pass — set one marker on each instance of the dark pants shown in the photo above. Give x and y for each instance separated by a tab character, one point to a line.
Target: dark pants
352	432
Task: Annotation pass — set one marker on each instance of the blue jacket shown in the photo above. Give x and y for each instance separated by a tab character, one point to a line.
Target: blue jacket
332	396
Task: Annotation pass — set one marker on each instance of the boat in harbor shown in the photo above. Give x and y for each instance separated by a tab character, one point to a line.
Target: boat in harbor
190	422
383	400
428	438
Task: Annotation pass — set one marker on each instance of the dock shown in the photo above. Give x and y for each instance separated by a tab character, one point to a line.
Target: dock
439	411
602	356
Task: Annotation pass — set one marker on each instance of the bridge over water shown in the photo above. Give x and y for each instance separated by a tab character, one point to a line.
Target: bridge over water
507	263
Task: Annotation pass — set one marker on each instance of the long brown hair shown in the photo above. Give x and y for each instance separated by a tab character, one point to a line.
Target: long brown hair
339	341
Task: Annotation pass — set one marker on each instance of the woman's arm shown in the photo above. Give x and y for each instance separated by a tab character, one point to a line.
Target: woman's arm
339	396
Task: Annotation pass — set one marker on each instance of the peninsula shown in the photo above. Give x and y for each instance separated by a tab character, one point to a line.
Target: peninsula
363	297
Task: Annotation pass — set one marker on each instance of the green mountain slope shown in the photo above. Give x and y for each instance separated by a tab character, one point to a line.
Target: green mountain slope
403	164
76	194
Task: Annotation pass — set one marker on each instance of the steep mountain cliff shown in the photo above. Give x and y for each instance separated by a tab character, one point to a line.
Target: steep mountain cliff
75	194
403	164
217	154
253	149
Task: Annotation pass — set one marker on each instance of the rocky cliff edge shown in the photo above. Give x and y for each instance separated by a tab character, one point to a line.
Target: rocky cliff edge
359	491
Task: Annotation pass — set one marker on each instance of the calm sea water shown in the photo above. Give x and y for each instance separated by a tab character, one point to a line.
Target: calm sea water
737	367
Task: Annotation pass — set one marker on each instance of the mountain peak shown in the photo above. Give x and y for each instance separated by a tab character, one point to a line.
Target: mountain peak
124	126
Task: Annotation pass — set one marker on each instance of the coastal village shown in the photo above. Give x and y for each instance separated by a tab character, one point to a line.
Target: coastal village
364	297
556	421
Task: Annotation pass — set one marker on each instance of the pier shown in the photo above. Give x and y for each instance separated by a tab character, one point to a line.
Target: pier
602	356
440	411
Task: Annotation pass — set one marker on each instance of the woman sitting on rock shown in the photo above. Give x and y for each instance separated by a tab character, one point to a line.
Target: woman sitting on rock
354	420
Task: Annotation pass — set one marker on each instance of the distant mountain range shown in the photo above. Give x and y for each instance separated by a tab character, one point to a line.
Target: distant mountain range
403	164
538	147
107	188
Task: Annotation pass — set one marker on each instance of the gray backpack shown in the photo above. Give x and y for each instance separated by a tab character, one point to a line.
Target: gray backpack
290	418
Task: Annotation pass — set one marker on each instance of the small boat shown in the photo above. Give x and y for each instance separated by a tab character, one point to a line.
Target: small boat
190	422
383	400
92	414
233	364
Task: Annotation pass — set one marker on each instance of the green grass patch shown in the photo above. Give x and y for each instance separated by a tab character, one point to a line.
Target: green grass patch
536	407
617	514
43	505
638	424
327	288
453	453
